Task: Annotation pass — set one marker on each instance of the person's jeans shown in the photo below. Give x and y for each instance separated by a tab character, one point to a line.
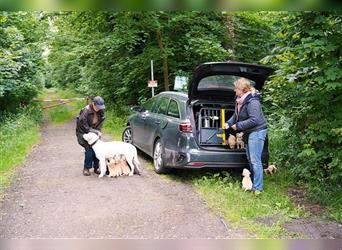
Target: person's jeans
90	159
254	150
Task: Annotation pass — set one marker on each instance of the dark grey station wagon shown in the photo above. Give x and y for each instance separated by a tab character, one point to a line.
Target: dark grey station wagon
186	130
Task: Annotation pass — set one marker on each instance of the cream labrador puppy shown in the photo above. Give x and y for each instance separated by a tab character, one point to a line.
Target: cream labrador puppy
124	166
270	170
106	150
114	167
231	141
239	141
246	181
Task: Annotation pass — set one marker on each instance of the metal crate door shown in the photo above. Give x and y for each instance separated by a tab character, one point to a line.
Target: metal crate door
209	126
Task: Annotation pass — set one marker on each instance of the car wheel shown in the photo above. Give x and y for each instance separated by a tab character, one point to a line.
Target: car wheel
127	135
158	161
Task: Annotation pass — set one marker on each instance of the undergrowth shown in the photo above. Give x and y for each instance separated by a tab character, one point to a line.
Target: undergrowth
18	133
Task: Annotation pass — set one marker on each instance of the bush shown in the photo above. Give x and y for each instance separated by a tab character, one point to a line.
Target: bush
18	132
303	101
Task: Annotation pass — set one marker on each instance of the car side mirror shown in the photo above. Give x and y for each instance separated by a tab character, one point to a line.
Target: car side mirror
138	109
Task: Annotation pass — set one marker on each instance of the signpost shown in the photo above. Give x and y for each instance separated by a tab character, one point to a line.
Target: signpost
152	83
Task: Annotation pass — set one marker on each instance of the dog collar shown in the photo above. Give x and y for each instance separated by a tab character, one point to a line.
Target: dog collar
94	142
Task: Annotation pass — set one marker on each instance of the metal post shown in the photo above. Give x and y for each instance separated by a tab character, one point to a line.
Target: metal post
223	121
152	77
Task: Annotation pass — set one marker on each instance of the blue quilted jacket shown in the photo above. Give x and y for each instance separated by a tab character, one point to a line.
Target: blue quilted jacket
251	118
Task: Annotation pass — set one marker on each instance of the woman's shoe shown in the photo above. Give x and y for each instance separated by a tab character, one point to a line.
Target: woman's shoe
257	192
97	171
86	172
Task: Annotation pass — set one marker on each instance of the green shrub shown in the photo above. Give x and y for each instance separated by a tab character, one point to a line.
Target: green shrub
304	99
63	113
116	120
18	133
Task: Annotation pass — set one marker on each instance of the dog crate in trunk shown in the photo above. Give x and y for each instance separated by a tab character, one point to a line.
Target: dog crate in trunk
211	126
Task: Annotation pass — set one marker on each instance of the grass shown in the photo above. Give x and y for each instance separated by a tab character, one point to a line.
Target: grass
222	192
115	120
114	124
18	134
60	114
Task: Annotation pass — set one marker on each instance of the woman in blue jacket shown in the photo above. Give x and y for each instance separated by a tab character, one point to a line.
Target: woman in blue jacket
249	119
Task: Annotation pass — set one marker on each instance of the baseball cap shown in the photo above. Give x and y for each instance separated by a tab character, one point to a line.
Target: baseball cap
99	102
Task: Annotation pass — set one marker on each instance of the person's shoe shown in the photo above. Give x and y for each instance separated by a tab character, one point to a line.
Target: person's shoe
97	171
86	172
257	192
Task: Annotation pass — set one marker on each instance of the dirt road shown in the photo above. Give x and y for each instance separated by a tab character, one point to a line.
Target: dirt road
50	198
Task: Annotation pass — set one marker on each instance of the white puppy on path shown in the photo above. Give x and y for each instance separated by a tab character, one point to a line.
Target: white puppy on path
106	150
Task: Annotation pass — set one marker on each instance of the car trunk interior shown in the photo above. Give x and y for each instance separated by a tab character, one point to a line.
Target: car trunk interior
209	119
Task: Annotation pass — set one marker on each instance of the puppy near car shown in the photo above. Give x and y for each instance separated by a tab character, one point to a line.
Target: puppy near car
270	170
105	150
231	141
246	180
239	141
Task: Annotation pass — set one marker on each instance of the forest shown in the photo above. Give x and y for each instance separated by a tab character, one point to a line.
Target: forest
109	53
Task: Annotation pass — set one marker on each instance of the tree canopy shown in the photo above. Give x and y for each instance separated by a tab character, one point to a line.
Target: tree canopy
109	53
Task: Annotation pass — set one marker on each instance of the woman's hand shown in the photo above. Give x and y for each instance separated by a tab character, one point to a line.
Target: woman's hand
99	134
233	126
226	126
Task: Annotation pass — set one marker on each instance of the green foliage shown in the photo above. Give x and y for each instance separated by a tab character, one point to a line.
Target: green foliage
62	113
109	53
116	121
222	192
254	34
306	89
18	134
20	58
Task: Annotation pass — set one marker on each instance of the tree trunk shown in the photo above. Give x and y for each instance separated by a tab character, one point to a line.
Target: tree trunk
230	25
164	60
230	30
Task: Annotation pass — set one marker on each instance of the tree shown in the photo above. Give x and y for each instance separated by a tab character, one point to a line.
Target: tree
20	58
305	99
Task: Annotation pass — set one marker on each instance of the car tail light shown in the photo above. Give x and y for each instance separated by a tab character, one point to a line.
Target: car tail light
196	163
185	127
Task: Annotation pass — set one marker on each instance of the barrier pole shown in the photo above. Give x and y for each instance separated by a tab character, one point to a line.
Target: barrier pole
223	121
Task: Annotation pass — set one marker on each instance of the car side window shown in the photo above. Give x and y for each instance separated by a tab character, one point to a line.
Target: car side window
149	104
173	109
163	102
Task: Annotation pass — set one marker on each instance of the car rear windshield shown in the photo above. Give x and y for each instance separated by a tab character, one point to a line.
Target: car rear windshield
219	82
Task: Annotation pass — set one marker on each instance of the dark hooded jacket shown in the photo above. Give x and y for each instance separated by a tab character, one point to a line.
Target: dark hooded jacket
85	124
251	118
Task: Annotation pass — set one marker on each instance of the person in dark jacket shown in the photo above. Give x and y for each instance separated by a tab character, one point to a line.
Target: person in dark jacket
249	119
90	119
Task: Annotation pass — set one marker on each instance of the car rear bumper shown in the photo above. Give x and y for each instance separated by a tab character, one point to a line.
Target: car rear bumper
200	165
198	158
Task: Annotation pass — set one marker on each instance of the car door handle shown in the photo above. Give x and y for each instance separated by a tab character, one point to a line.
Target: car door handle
157	122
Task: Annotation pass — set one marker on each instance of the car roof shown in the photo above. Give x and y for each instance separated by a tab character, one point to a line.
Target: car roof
177	95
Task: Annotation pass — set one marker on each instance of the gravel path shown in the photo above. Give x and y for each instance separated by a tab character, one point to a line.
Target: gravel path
50	198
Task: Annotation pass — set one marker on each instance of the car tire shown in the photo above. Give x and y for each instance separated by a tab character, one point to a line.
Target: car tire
158	161
127	135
